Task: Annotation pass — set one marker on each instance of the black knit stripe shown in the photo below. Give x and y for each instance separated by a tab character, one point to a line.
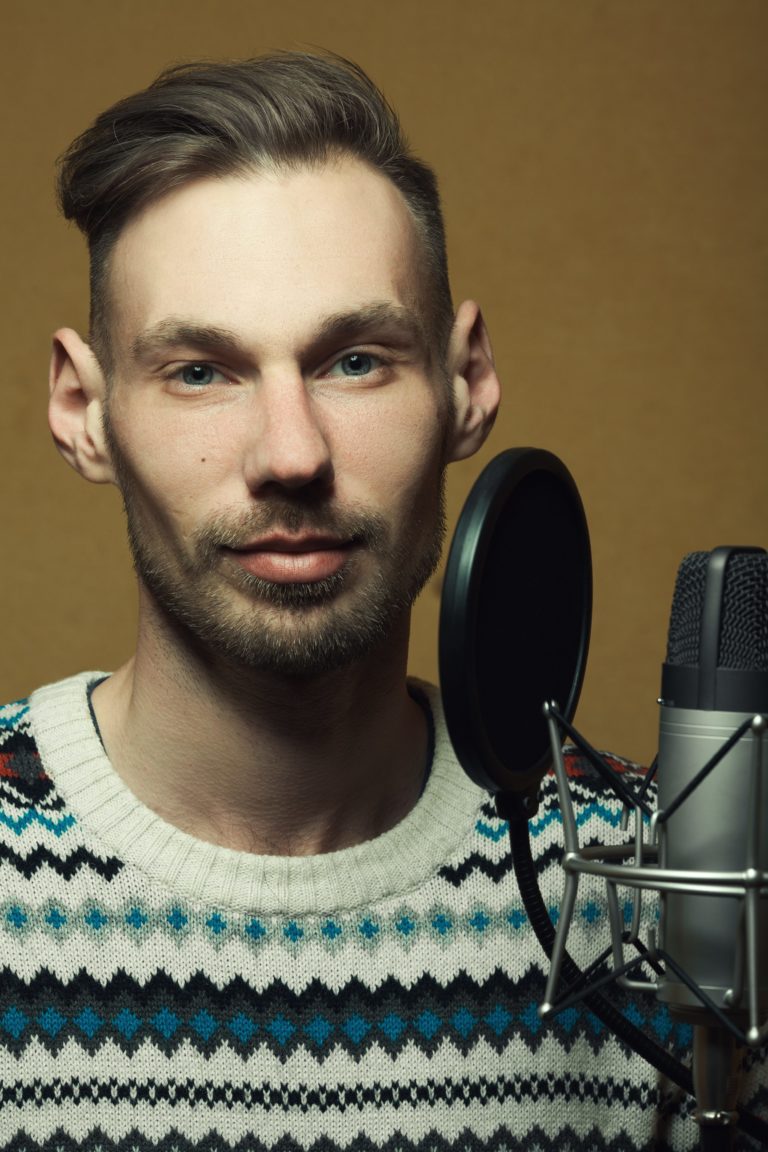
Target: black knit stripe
318	1019
328	1098
504	1139
66	865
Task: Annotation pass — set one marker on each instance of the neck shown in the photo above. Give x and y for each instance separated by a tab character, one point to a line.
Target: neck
262	763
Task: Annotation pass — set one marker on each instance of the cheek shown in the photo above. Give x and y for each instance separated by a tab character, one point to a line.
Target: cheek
165	472
398	458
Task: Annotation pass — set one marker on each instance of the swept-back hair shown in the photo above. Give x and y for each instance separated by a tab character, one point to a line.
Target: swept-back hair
196	120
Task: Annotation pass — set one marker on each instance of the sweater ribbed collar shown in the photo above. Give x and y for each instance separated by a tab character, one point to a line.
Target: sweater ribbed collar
386	867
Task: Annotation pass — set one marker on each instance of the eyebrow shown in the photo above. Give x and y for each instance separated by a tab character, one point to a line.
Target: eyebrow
174	333
394	322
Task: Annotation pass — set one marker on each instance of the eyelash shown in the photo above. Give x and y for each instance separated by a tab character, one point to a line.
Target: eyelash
175	372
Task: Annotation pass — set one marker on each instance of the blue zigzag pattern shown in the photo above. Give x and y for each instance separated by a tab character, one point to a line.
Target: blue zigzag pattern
609	815
19	824
12	715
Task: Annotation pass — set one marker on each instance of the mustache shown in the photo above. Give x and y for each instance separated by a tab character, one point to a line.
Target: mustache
235	529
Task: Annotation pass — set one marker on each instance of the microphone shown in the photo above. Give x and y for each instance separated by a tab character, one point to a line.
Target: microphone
713	810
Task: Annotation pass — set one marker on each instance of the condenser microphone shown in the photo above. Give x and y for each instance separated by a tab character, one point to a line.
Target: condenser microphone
713	794
714	685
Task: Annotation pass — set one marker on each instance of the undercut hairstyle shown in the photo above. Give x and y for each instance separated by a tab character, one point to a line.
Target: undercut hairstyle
272	113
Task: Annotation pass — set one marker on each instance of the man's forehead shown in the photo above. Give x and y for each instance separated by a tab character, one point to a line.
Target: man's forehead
334	237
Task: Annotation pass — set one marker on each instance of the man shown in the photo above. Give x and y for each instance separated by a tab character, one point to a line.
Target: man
251	901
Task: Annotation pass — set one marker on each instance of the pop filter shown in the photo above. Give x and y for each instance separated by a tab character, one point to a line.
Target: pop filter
515	617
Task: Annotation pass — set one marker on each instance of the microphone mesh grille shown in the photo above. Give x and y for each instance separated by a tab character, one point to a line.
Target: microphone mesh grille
744	622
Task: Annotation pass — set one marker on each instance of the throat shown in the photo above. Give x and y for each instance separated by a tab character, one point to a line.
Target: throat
272	781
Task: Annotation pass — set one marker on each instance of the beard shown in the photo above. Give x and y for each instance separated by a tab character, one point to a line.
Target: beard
292	629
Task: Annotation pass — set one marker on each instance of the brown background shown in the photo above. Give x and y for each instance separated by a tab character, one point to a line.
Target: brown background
605	179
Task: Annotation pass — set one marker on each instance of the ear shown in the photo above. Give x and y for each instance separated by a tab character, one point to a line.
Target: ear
76	407
476	387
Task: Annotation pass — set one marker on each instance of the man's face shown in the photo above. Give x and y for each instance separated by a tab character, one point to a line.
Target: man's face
276	418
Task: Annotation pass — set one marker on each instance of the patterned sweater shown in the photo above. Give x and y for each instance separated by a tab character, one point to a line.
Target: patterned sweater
158	992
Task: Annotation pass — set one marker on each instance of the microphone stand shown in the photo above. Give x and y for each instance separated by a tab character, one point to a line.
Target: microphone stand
714	1136
715	1079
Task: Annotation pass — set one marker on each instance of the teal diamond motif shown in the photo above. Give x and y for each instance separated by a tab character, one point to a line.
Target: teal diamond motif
56	918
480	921
136	918
89	1022
242	1028
499	1019
255	929
530	1017
51	1021
405	925
216	923
331	929
356	1028
590	912
597	1026
204	1024
319	1029
464	1022
392	1026
568	1019
16	917
14	1021
634	1015
177	919
368	929
662	1025
166	1022
517	918
281	1029
428	1024
127	1023
96	919
442	924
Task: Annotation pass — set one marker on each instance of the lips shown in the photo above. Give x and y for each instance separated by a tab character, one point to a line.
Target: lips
293	559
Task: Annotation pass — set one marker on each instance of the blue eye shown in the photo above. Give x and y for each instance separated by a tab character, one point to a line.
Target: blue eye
197	374
357	364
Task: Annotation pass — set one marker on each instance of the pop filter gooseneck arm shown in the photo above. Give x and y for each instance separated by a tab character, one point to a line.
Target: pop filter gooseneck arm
515	619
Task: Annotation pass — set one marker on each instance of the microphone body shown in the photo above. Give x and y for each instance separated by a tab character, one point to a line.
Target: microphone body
714	681
714	685
709	833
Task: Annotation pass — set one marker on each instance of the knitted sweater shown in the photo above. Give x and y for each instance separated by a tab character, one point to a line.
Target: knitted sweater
159	992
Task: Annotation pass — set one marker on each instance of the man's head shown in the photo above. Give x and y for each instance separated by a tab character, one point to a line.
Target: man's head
280	112
282	395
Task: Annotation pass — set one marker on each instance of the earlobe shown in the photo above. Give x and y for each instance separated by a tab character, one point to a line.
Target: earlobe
476	387
76	407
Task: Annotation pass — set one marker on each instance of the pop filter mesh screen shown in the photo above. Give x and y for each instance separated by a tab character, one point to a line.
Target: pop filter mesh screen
531	617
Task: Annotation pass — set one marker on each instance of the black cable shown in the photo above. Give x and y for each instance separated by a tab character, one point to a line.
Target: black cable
511	809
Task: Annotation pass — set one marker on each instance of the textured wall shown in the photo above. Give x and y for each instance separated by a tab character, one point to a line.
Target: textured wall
605	178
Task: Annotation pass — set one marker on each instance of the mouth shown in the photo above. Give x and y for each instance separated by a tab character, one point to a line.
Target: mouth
283	559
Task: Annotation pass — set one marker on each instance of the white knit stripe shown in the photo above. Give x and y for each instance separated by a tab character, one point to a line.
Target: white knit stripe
379	1121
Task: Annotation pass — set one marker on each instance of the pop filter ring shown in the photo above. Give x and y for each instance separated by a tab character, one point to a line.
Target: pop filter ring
508	491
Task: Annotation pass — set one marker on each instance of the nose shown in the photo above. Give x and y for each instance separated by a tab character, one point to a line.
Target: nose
288	445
